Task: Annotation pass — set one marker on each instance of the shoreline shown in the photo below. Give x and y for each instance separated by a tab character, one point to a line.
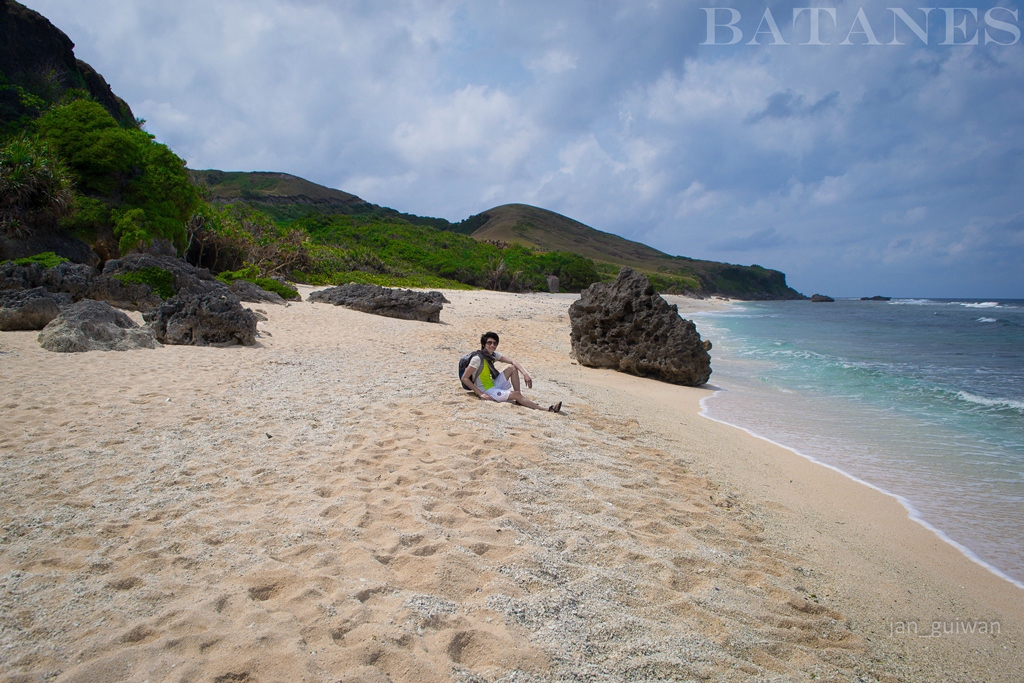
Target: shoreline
299	509
912	512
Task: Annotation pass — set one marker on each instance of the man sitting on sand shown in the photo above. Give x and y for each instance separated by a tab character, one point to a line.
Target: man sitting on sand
485	381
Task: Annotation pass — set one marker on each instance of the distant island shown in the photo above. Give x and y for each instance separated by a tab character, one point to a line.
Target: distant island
99	187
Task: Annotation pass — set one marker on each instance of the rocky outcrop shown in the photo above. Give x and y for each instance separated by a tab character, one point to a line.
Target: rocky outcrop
202	320
71	278
94	326
251	292
188	280
131	296
625	326
821	299
29	309
78	281
876	297
393	303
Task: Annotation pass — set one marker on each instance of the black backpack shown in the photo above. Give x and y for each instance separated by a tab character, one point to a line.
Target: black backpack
464	363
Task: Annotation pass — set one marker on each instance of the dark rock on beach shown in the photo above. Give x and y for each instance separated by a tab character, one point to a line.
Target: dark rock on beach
248	291
393	303
188	279
29	309
94	326
201	320
821	299
78	281
625	326
70	278
130	296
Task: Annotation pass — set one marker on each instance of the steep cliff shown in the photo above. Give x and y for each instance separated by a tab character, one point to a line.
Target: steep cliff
38	66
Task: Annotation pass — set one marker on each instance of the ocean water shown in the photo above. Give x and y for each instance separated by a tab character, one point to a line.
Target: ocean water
922	398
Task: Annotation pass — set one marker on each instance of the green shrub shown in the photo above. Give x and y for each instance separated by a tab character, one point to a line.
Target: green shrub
159	280
276	286
47	259
143	185
130	229
35	186
359	277
251	274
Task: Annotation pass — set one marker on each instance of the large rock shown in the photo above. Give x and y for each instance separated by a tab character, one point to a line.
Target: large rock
79	282
625	326
131	296
822	299
188	280
393	303
94	326
202	320
70	278
34	52
28	309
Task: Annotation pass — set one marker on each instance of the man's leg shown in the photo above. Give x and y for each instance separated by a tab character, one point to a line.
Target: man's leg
512	375
523	401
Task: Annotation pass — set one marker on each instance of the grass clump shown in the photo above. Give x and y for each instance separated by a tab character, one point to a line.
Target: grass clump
159	280
382	280
47	259
251	274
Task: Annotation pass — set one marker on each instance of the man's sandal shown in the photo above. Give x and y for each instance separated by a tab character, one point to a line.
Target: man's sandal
557	408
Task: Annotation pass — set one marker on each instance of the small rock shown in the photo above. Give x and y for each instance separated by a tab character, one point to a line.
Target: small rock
393	303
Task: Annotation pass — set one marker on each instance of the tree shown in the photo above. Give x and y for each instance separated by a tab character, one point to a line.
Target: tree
143	184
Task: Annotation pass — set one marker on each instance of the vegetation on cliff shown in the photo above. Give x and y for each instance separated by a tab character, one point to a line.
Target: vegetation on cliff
128	186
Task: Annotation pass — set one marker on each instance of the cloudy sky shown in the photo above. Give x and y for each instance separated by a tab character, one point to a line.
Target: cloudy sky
855	165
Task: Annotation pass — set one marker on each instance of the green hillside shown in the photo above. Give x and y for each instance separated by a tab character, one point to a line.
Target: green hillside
548	231
288	198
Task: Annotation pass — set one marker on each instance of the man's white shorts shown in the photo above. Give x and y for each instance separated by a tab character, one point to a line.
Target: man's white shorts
501	389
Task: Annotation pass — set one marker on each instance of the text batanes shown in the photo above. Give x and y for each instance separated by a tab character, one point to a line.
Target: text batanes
927	25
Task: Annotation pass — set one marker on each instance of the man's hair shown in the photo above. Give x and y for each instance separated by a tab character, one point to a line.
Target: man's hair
489	335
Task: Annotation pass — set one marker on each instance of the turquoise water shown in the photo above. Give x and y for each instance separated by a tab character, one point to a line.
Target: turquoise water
922	398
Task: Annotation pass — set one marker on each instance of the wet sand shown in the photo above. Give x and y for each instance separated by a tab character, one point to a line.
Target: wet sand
330	506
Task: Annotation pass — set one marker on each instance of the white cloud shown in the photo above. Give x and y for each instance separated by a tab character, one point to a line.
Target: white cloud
552	62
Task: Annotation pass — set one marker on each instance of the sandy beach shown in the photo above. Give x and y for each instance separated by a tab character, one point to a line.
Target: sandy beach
329	505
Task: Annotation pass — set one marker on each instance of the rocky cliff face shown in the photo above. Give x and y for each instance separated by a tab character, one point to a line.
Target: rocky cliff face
38	64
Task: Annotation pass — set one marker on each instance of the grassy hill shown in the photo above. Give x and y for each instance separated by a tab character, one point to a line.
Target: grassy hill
548	231
286	197
289	198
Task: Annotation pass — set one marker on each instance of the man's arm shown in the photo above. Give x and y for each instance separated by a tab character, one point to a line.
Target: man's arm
467	381
520	368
